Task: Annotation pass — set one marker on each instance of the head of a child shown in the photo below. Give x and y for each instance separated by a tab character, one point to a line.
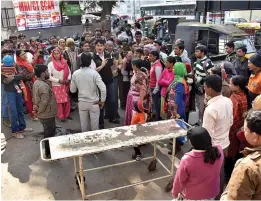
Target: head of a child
252	128
237	84
140	106
8	61
201	140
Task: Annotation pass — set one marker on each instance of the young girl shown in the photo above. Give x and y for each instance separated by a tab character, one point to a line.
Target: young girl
166	78
197	177
239	100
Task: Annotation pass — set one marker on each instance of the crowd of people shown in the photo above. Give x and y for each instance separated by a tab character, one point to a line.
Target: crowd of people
131	72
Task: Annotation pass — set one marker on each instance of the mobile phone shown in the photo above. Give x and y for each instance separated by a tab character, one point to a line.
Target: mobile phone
110	62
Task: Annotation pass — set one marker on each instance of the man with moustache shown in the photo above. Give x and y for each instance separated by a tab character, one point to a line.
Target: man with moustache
44	103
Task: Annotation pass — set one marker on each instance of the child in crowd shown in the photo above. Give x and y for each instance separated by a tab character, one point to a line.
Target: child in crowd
8	69
138	117
197	177
239	100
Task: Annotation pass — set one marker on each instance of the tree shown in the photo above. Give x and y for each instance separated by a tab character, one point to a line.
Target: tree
106	6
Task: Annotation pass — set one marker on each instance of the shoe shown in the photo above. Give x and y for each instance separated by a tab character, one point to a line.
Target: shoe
106	117
62	120
101	126
26	130
7	123
17	135
69	118
136	157
114	121
118	116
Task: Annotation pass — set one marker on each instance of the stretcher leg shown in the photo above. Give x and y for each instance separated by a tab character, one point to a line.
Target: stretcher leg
153	163
82	188
169	185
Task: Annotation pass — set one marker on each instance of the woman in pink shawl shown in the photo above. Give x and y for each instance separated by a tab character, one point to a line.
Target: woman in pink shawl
60	76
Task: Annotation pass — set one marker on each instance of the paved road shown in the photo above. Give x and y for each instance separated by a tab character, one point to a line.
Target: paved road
26	177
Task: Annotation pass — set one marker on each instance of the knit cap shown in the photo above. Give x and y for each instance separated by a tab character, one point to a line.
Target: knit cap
256	59
69	41
140	106
8	60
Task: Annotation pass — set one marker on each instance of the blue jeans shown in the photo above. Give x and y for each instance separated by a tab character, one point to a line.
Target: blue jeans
156	103
15	101
109	104
4	103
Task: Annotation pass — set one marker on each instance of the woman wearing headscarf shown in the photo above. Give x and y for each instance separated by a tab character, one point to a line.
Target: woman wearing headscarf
28	71
139	89
60	76
62	44
177	96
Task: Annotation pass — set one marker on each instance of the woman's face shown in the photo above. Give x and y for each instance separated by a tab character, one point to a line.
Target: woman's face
232	87
134	67
22	46
169	65
56	55
62	43
23	56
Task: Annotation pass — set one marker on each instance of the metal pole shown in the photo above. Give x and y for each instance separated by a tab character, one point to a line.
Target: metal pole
134	10
173	156
81	178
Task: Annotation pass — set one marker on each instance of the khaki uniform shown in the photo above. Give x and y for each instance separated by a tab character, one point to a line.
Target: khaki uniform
245	182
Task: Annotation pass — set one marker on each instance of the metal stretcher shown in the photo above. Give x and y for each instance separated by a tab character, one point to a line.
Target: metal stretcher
77	145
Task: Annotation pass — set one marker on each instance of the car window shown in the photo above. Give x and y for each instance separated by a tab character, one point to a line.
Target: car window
242	20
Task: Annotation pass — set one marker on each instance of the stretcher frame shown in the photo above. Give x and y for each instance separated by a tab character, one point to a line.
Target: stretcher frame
79	170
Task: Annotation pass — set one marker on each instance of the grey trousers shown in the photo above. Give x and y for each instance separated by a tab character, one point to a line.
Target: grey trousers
201	106
89	116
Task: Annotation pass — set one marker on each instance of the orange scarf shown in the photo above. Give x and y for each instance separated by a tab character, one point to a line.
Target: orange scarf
22	62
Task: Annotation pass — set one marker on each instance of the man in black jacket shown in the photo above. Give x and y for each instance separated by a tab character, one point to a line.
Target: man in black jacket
103	65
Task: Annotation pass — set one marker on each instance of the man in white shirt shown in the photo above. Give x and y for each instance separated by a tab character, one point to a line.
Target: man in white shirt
91	93
179	41
218	116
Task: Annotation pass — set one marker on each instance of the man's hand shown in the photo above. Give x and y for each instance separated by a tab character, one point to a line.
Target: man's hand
35	109
67	82
8	79
101	104
104	62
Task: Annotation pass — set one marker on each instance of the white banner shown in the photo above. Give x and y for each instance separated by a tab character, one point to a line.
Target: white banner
36	14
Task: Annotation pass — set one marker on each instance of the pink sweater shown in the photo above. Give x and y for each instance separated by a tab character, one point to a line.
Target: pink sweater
166	77
195	179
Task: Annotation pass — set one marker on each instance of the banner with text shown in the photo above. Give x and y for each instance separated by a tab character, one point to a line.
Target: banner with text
36	14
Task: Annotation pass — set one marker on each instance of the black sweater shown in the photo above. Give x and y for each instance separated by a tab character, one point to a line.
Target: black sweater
106	72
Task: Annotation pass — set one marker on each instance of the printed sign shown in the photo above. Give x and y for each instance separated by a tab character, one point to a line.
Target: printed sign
73	10
36	14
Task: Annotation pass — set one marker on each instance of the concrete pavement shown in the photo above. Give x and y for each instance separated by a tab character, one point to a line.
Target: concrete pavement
26	177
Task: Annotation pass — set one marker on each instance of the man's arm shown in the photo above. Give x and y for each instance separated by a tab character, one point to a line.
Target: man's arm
242	184
209	121
73	86
158	71
44	99
101	86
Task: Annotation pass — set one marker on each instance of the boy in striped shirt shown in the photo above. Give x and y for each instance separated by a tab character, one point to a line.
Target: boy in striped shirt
201	70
